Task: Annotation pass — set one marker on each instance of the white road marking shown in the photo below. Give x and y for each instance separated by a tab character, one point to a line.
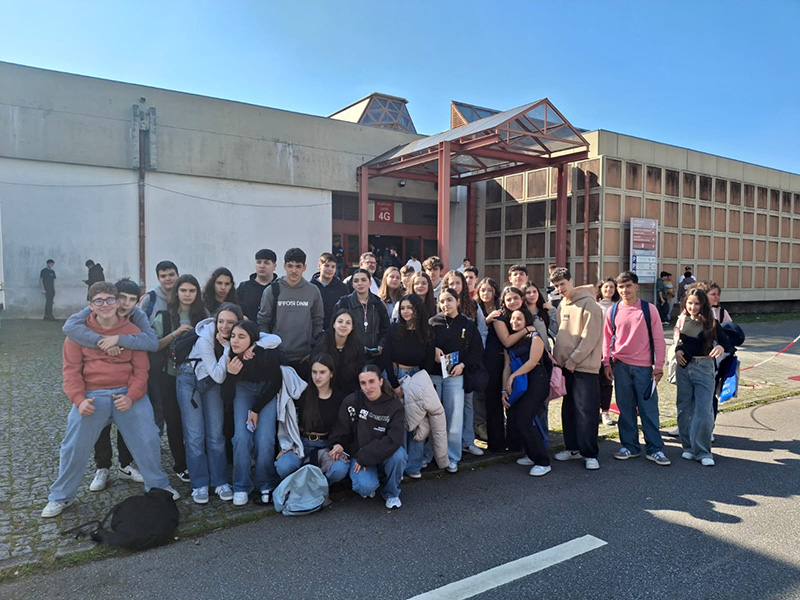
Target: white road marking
487	580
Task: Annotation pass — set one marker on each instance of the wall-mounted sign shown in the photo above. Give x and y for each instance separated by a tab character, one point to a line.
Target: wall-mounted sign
384	211
644	249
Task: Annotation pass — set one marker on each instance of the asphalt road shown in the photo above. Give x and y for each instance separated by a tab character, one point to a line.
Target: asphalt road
684	531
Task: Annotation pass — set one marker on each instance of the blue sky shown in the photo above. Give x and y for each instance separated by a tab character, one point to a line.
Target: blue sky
716	76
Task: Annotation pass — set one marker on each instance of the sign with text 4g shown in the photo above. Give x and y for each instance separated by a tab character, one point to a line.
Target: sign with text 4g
644	249
384	211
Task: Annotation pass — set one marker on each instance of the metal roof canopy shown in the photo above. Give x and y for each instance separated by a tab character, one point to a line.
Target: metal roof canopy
534	135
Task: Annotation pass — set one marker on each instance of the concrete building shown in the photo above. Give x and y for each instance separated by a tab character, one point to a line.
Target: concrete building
129	175
733	222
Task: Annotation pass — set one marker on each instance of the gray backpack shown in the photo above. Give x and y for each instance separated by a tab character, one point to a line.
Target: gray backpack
304	491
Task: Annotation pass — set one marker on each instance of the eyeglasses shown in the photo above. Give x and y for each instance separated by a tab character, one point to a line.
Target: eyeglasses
100	301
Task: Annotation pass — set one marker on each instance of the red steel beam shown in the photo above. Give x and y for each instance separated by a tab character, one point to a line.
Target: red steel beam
561	217
443	221
363	209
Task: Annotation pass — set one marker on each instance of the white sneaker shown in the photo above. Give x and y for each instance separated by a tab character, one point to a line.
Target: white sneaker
100	480
474	450
707	461
393	503
606	418
200	495
265	496
176	495
240	498
53	509
525	461
592	464
674	432
539	470
452	467
687	455
130	472
224	492
567	455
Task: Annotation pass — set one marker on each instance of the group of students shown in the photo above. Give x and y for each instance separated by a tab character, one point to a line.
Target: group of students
363	378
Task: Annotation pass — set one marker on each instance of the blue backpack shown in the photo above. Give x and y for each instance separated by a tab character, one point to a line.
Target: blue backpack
303	492
646	311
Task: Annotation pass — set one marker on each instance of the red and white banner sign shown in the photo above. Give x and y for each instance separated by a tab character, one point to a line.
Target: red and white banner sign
384	211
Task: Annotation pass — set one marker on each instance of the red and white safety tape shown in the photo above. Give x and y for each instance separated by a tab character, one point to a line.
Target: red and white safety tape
792	343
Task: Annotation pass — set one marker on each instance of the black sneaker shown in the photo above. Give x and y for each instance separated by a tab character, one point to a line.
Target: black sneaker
183	476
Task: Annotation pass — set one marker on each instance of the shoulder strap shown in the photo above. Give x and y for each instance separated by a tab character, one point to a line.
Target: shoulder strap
276	291
151	304
646	311
613	319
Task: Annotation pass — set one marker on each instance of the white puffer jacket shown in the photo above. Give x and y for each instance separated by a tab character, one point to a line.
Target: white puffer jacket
425	414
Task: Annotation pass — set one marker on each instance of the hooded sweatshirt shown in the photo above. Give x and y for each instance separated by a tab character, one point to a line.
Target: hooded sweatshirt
92	369
370	432
249	293
159	305
208	365
299	316
330	295
578	345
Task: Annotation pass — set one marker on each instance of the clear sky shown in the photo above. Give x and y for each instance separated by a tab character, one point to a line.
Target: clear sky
717	76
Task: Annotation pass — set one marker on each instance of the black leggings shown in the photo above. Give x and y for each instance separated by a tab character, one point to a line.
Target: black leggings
521	416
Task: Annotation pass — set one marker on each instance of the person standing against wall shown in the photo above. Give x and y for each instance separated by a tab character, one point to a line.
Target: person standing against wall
47	279
95	273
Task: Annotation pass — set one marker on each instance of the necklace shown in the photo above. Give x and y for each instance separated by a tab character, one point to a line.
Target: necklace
366	321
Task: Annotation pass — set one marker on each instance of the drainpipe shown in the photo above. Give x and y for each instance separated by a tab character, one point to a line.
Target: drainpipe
585	226
142	158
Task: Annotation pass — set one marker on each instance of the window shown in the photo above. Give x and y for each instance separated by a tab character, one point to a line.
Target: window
537	183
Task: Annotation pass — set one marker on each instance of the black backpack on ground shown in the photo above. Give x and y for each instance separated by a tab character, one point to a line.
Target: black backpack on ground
137	523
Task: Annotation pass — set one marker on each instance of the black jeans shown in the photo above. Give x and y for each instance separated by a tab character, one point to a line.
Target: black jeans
606	390
495	413
48	304
521	416
579	412
103	452
162	386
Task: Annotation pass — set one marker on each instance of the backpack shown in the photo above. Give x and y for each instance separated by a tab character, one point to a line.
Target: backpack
148	310
646	314
303	492
137	523
183	347
276	292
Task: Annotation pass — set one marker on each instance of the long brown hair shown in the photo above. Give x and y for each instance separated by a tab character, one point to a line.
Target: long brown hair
706	316
384	293
430	303
311	416
197	311
465	303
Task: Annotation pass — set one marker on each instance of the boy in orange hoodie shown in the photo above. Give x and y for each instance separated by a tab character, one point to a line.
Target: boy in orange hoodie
105	389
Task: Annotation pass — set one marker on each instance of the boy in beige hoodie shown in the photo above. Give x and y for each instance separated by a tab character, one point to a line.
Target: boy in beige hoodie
578	349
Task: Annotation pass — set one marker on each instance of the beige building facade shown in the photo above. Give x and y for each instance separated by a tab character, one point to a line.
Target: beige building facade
733	222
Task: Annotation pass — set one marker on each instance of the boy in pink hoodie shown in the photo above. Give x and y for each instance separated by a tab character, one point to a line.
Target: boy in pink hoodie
635	361
105	389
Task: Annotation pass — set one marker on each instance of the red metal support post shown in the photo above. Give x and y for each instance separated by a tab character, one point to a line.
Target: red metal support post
561	217
363	209
443	221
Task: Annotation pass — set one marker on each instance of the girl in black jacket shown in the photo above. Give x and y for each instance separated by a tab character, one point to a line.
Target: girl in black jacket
252	384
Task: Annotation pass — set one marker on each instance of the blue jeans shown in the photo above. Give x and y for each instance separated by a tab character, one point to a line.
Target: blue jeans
451	393
389	472
468	429
289	462
631	386
138	429
202	428
696	405
261	443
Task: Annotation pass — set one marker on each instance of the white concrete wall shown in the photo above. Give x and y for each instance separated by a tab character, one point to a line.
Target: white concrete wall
458	226
72	213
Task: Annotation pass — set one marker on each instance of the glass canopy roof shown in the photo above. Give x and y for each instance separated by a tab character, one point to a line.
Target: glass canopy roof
534	134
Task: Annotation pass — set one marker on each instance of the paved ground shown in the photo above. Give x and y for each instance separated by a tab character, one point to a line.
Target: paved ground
685	532
33	416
